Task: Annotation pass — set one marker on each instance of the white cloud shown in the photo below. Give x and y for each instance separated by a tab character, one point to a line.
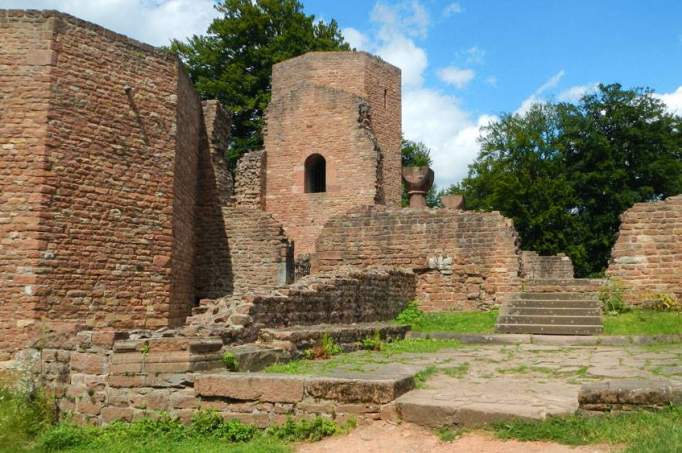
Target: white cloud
536	97
475	55
452	9
154	22
405	54
456	77
408	18
355	38
575	93
429	115
672	100
491	80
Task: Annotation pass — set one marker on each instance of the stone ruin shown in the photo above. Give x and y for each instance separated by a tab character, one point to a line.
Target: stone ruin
131	258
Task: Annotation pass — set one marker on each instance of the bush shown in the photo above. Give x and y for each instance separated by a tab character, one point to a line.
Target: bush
411	314
24	415
65	436
303	430
663	302
612	297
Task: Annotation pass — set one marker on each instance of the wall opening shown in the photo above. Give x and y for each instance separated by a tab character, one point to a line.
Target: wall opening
315	174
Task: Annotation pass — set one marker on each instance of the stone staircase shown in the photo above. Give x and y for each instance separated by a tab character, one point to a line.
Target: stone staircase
553	307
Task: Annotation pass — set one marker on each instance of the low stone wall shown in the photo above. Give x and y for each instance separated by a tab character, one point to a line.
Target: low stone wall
647	255
535	266
463	259
342	296
101	379
629	395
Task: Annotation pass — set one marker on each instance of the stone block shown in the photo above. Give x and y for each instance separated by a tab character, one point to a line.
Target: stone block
245	386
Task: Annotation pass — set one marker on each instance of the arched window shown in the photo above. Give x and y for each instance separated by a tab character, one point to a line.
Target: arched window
315	174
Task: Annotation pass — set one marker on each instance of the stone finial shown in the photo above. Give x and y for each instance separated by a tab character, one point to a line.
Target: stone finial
453	201
418	181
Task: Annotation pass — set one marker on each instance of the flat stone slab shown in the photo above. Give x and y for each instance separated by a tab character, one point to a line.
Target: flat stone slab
284	388
451	402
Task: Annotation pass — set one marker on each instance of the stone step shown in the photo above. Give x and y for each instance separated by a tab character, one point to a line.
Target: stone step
553	304
550	311
530	295
349	336
549	329
554	320
466	403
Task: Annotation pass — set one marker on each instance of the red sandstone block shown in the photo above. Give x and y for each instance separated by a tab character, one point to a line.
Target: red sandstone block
242	386
88	363
111	414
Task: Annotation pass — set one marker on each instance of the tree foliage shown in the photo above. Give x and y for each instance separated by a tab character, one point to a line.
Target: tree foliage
565	172
233	61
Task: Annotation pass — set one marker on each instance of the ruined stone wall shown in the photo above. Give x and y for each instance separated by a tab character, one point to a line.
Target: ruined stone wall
215	179
244	251
463	259
27	58
321	105
113	181
534	266
344	295
647	254
250	180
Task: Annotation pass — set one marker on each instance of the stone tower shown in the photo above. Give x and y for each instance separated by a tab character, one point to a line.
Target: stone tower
332	140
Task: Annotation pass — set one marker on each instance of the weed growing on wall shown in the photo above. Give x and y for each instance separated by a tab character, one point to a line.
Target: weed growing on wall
612	297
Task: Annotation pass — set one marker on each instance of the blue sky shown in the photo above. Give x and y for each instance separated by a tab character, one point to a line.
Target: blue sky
464	62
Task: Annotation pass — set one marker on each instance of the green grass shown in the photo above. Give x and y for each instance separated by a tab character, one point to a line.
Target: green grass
643	322
456	322
357	361
639	431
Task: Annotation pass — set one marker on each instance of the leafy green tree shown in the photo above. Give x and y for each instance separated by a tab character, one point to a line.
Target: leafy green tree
565	172
233	61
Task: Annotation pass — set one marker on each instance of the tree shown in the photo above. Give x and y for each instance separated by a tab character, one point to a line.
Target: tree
565	172
233	61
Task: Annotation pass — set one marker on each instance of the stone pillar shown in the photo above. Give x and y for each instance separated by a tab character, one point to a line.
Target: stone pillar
418	180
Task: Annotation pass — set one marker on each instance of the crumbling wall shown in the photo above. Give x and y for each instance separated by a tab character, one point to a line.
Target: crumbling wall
344	295
535	266
250	180
245	251
324	103
647	254
463	259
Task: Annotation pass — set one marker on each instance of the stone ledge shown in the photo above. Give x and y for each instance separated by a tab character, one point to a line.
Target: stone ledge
628	395
278	388
559	340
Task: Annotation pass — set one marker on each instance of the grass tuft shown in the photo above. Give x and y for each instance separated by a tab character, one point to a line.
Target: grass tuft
639	431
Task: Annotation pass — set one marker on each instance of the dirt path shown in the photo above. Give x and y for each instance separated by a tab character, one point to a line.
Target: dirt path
382	437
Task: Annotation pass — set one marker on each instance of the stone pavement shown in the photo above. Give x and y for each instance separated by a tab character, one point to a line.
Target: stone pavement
475	384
